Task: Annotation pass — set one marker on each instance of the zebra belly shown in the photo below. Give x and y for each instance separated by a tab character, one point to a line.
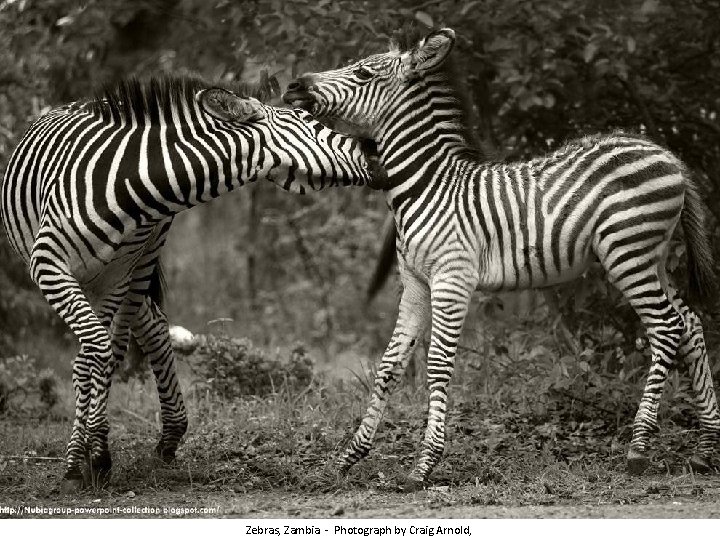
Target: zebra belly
528	267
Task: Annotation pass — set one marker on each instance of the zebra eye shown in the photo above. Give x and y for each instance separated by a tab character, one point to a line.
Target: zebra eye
363	73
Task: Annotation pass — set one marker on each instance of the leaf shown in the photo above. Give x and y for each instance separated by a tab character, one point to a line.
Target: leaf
527	99
590	50
424	18
631	45
649	6
467	7
65	21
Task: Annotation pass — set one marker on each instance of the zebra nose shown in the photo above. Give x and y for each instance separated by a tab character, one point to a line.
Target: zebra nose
298	92
302	83
296	86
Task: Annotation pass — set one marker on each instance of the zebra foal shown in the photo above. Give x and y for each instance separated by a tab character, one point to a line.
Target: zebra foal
87	201
464	224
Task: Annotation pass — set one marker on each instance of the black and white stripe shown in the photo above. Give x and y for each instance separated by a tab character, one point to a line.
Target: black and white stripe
465	224
88	199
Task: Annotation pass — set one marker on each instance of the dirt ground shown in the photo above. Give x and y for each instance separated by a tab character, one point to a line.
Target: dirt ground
279	504
271	459
657	496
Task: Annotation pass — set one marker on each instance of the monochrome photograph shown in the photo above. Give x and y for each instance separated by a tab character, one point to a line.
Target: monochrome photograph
346	268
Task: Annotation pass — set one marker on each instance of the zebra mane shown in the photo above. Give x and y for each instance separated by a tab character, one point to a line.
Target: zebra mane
405	39
155	97
408	36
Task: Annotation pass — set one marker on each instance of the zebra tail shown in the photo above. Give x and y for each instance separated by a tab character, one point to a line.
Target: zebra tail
700	260
385	261
158	285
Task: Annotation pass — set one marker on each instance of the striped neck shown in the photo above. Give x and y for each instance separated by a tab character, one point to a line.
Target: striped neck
195	156
424	129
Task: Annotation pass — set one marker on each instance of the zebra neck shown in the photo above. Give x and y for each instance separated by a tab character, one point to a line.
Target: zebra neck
422	134
451	178
422	165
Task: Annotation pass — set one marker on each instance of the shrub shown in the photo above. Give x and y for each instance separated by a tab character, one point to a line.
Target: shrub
233	367
26	388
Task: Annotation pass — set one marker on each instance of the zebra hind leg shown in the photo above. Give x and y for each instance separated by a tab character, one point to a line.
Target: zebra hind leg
151	331
693	356
664	327
150	328
636	266
87	449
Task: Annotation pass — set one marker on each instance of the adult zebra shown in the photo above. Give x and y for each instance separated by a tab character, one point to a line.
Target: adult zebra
88	199
464	224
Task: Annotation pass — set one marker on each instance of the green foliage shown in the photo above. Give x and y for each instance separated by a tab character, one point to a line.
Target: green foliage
231	367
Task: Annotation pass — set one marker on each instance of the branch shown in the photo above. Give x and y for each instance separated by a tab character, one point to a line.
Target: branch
313	269
423	5
698	121
587	402
647	117
39	458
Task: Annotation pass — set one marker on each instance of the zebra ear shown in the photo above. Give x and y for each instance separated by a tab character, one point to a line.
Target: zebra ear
431	52
227	106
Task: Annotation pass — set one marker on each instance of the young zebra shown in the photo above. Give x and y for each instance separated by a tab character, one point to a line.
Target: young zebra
88	199
464	224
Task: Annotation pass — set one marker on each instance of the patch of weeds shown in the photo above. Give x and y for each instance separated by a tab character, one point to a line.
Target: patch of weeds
234	367
26	389
260	423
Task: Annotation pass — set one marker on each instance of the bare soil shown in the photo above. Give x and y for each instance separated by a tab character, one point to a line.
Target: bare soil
544	490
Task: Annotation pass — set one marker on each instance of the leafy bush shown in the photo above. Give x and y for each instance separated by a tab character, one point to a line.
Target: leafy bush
234	367
554	369
24	388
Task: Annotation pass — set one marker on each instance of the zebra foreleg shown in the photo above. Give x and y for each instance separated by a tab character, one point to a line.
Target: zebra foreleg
412	319
450	300
90	368
151	331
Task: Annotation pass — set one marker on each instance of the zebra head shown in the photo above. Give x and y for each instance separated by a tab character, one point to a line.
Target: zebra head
285	146
370	94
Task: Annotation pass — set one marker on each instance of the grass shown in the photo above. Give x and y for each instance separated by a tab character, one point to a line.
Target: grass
282	446
287	441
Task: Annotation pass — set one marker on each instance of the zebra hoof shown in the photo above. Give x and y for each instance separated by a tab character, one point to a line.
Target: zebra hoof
343	467
701	465
73	482
100	470
95	471
167	455
637	463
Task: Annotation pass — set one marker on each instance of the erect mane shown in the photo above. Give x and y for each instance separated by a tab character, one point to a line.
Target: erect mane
408	36
155	97
405	39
